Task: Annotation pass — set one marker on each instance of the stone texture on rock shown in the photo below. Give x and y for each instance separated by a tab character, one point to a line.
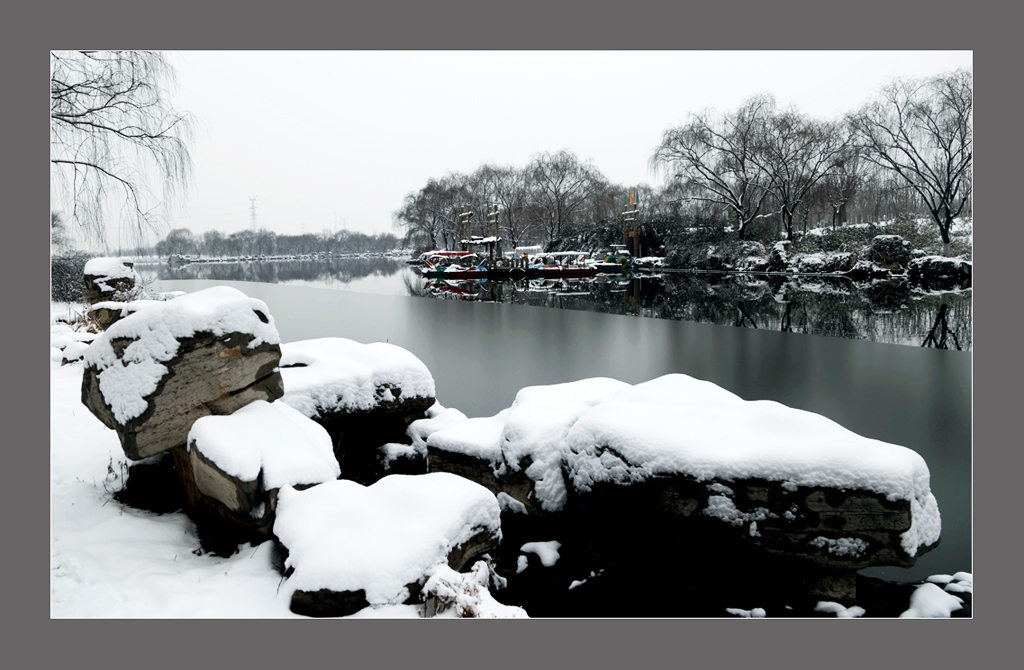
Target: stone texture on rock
210	374
512	483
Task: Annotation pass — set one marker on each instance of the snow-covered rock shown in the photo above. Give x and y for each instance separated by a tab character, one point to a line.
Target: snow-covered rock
940	271
334	375
153	373
242	459
104	277
823	263
694	455
350	546
365	395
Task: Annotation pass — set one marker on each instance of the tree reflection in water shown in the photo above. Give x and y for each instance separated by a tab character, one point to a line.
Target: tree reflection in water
890	311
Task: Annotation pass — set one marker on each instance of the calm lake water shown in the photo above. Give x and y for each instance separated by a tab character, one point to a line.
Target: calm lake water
892	311
482	353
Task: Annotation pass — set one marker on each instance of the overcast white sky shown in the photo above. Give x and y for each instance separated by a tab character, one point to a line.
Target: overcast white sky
329	140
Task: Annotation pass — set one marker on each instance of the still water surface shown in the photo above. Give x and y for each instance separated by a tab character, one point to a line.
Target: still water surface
481	354
890	311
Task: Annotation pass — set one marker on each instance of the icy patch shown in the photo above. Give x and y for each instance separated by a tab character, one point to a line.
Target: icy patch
344	536
843	546
839	610
930	601
522	563
546	551
126	382
266	440
336	374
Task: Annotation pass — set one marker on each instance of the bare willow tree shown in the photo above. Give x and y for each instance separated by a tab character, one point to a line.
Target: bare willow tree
922	130
720	159
563	184
797	153
111	128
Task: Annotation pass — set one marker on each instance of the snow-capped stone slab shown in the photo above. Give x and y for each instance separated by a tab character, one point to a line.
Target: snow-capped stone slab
825	492
241	458
154	372
334	375
107	276
351	546
365	395
691	457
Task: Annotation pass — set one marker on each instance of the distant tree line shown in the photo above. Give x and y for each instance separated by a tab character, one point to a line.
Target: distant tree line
215	244
760	172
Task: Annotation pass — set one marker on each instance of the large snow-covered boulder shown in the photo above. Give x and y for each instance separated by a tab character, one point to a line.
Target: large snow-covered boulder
152	374
106	277
243	459
790	481
351	546
695	457
365	395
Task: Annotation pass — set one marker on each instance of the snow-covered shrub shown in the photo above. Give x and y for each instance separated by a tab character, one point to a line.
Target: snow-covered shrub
823	262
888	251
66	277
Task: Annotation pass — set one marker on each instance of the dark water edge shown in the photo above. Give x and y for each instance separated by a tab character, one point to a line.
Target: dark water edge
481	354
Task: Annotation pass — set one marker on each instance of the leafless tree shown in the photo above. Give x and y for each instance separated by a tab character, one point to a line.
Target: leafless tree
111	125
719	159
509	190
842	181
797	152
922	131
563	184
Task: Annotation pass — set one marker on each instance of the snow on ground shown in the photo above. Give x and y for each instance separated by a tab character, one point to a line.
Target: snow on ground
111	561
332	373
126	381
756	613
930	601
344	536
272	442
839	610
